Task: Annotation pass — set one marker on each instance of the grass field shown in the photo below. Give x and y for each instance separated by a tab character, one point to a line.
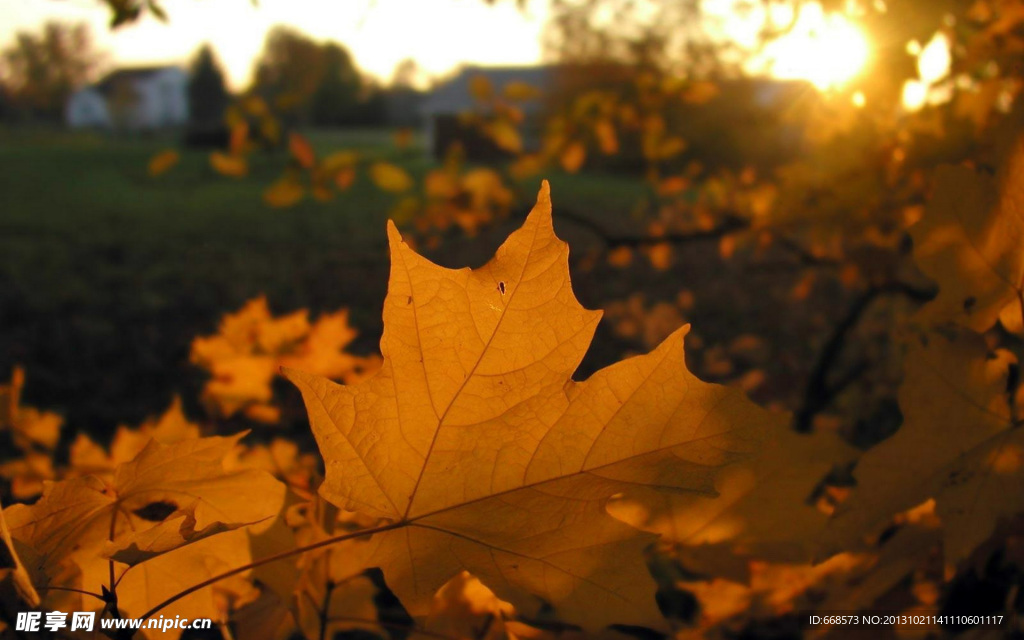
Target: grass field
106	273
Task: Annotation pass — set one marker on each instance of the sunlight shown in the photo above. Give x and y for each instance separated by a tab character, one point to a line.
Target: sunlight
826	50
934	61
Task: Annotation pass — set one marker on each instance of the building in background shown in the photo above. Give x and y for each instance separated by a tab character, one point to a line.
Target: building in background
442	108
135	99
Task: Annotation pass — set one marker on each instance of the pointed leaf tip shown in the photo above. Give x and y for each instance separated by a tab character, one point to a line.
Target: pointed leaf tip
542	209
394	235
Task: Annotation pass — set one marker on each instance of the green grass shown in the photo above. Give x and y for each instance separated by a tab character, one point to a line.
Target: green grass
106	273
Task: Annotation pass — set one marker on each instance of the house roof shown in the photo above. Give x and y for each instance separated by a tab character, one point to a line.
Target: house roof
130	74
455	96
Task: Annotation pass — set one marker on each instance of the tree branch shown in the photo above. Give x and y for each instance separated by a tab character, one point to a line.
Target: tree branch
820	393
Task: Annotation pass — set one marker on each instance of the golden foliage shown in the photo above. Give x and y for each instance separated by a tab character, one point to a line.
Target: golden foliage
252	346
229	165
390	177
969	241
475	442
163	162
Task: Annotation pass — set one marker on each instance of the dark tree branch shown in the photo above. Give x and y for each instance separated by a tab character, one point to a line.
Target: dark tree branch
820	392
729	224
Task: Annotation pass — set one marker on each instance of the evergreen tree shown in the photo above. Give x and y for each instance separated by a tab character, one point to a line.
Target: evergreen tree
207	95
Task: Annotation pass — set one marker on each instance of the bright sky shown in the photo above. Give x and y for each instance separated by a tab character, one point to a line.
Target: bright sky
438	34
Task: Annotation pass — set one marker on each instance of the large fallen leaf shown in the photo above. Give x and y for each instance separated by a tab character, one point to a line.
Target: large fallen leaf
971	241
958	444
475	442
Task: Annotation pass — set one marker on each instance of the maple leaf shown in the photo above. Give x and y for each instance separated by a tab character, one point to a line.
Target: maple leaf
959	444
77	518
29	428
252	345
476	444
12	567
465	608
969	241
88	457
762	510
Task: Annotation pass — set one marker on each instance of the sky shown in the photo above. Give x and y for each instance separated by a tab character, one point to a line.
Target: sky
439	34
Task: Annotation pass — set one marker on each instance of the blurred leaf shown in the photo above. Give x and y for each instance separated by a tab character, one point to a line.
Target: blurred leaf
239	138
285	192
505	136
480	88
519	91
163	162
389	177
573	156
606	138
301	150
403	138
226	165
700	92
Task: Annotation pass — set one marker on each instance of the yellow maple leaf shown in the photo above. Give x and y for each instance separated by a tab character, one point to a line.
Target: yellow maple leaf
959	444
78	518
761	510
465	608
252	345
88	457
970	242
29	428
476	444
15	568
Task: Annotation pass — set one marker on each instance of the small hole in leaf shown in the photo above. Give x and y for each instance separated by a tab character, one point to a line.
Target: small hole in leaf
156	511
501	287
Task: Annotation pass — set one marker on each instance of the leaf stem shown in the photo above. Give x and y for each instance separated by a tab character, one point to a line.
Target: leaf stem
98	596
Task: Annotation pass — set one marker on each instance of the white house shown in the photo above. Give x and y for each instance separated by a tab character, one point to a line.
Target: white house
135	99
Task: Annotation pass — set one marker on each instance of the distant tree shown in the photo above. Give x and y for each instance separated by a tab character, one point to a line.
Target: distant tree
405	74
336	98
289	70
44	69
5	102
207	94
402	99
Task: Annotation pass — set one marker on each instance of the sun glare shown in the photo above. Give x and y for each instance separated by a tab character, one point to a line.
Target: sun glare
826	50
